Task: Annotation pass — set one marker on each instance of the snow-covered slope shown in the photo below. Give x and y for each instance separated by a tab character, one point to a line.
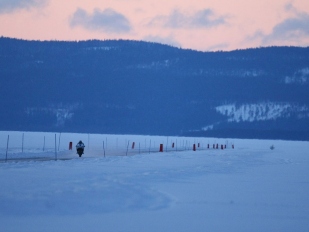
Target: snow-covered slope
136	87
248	188
299	77
262	111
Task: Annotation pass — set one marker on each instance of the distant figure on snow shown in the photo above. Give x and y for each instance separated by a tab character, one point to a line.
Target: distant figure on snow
80	148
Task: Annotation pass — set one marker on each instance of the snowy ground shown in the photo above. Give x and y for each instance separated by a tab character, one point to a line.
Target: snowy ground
248	188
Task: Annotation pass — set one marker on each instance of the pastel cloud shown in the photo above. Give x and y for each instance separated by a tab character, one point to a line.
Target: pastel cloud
290	29
107	20
195	24
7	6
200	19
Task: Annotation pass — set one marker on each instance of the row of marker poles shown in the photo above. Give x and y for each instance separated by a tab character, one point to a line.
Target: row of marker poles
186	145
22	146
139	147
23	139
194	148
173	145
216	146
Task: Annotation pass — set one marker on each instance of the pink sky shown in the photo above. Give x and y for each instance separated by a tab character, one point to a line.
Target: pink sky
204	25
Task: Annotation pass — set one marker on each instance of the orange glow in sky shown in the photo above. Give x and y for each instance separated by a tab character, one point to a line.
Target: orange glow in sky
204	25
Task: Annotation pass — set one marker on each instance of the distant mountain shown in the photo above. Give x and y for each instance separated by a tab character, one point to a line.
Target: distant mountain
121	86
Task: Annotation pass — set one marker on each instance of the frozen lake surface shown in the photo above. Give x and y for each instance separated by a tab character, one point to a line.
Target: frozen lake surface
248	188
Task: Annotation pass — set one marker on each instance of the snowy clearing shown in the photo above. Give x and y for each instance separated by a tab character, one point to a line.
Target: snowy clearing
248	188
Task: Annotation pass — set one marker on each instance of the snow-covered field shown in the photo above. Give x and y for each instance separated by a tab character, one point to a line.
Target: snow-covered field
248	188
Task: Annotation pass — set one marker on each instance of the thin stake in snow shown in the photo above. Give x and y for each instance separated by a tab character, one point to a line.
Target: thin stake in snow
88	141
44	143
59	142
22	144
7	148
176	144
103	149
55	146
127	148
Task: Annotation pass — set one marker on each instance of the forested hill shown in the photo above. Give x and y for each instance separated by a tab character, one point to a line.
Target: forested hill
120	86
